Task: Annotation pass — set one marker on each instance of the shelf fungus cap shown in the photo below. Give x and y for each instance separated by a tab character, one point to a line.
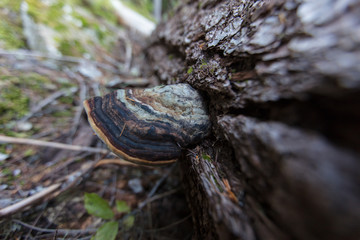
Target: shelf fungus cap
149	126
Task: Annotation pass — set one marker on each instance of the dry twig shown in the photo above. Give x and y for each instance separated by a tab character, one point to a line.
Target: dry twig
49	192
28	141
160	181
158	196
79	108
69	59
28	201
46	102
59	232
170	225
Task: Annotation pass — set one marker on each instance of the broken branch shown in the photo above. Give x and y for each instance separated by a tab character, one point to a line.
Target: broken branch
28	141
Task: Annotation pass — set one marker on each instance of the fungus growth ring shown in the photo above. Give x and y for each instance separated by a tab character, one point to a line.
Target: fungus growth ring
149	126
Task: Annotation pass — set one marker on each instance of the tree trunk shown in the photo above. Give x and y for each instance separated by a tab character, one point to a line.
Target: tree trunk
282	83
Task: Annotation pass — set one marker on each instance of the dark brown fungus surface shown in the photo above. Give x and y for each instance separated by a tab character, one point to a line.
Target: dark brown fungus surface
149	126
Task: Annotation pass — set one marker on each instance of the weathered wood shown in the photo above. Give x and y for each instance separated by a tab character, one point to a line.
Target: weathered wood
305	185
282	81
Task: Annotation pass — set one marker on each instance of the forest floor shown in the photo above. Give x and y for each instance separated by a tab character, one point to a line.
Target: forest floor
43	183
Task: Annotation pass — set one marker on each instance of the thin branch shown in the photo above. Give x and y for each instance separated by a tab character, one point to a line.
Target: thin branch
147	201
66	163
73	178
113	189
158	196
28	201
128	54
170	225
34	223
160	181
54	190
60	232
46	102
29	141
79	108
69	59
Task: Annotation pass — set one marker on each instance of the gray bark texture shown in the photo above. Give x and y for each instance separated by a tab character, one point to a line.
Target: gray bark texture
282	83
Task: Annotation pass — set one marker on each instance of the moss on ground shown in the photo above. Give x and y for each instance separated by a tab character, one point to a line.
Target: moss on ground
143	7
16	92
13	5
103	9
71	47
13	103
11	36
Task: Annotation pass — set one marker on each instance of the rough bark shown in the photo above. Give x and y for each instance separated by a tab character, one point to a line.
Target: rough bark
282	82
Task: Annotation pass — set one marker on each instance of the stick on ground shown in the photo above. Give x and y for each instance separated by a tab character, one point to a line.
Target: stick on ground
62	232
28	201
28	141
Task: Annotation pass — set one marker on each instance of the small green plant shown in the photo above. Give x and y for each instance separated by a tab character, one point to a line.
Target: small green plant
99	207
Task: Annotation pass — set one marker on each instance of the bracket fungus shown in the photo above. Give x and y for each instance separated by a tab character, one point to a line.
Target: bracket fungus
149	126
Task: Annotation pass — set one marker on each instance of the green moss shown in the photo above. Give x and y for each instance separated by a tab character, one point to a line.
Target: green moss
13	103
206	157
65	113
50	14
29	152
8	176
11	36
6	130
104	35
71	47
84	21
2	148
103	9
6	171
35	82
54	14
65	83
76	31
190	70
22	183
101	32
203	64
13	5
66	100
35	8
